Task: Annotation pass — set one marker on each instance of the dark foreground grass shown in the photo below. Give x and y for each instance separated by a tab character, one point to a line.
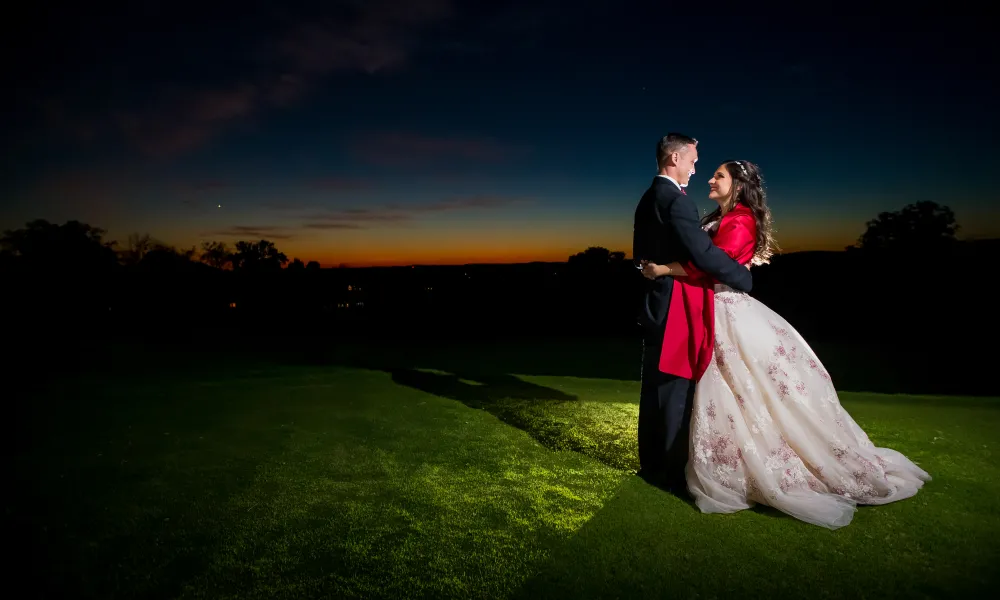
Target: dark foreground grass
405	481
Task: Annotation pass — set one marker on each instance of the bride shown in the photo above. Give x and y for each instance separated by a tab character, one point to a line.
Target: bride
767	426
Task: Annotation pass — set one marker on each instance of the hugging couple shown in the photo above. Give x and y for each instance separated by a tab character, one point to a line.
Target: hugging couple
735	408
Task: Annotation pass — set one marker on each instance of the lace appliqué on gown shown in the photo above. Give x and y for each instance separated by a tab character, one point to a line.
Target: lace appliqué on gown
767	427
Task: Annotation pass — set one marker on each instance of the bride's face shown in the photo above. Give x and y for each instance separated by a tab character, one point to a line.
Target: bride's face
720	186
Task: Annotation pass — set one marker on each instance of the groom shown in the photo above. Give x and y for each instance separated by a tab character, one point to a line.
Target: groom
667	229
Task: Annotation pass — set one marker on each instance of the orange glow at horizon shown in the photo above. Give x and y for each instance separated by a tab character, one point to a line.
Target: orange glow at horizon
443	257
513	239
457	256
513	246
479	242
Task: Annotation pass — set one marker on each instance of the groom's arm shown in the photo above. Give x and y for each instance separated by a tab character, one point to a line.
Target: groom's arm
683	218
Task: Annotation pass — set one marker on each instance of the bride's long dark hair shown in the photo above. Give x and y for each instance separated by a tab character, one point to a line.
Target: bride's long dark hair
748	189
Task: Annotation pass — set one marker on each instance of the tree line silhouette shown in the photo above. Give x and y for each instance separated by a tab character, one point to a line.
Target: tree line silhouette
900	279
904	292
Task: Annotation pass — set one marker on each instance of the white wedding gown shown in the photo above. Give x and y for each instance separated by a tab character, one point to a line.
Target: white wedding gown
767	427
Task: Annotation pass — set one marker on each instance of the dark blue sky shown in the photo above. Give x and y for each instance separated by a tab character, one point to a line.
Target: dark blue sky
395	132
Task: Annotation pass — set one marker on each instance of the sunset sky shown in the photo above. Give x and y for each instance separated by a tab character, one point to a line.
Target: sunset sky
391	132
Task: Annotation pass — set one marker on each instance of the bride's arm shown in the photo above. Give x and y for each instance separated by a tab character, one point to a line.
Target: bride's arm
735	237
674	269
684	221
654	271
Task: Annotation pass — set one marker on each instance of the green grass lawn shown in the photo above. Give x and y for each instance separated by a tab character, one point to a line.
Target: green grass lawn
451	478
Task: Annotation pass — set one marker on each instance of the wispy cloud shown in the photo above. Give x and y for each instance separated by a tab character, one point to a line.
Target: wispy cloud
207	186
395	149
333	189
185	119
363	215
360	218
354	218
399	214
251	231
342	184
326	225
463	203
379	34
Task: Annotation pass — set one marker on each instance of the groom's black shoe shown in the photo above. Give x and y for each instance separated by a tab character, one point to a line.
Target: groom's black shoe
676	484
654	477
680	490
663	480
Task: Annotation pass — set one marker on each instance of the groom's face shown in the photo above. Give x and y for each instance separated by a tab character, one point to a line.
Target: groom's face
685	163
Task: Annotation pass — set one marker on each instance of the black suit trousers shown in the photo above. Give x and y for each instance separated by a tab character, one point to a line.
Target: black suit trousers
665	404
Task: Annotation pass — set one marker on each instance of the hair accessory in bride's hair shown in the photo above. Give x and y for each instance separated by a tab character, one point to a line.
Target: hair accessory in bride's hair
742	168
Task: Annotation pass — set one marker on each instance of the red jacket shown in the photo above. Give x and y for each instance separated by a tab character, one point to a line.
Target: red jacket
689	337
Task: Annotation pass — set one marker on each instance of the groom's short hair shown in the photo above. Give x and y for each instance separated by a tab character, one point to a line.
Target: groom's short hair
670	143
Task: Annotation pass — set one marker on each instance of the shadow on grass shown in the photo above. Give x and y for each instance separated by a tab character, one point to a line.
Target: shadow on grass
857	366
512	400
478	391
594	358
479	376
455	373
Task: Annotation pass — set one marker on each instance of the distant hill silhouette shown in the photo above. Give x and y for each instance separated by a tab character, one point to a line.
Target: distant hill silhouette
67	282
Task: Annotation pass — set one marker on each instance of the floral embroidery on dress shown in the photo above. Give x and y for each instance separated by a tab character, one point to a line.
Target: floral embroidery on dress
867	467
791	478
762	455
722	475
733	298
716	373
719	450
773	369
815	366
854	489
753	490
780	456
839	450
762	418
815	484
